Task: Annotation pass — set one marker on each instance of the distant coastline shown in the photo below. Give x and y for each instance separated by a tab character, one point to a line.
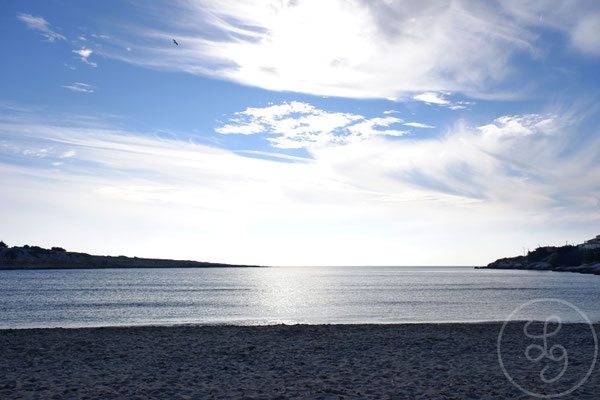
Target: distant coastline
583	258
34	257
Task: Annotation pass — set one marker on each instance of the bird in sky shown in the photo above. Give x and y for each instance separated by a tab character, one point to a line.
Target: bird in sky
175	41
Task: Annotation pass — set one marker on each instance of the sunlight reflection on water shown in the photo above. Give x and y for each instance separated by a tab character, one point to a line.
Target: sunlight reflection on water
69	298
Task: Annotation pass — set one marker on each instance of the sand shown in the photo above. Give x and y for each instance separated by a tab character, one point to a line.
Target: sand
412	361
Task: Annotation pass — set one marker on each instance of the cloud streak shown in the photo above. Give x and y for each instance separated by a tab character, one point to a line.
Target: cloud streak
41	25
440	99
418	125
80	87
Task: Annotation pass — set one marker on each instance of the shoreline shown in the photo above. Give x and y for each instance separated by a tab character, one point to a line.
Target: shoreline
287	325
72	268
37	258
421	360
585	269
216	265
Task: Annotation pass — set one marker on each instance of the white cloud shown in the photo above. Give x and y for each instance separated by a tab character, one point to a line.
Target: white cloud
80	87
41	25
517	162
298	125
365	129
432	98
41	153
373	50
84	55
241	129
586	35
378	201
523	125
440	99
391	112
68	154
418	125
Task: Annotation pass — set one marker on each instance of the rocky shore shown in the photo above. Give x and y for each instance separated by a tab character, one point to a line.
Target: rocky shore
583	258
34	257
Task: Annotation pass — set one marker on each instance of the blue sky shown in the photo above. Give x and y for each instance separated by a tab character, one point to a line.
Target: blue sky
300	132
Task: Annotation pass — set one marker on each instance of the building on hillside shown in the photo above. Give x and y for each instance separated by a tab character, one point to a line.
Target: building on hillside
591	244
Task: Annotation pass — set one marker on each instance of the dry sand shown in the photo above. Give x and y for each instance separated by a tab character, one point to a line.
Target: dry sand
413	361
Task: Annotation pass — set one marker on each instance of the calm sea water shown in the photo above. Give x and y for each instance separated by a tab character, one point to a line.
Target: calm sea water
77	298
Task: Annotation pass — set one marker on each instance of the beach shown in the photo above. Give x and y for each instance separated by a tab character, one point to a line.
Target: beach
416	361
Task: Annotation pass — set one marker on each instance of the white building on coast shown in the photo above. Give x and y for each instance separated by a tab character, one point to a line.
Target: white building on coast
591	244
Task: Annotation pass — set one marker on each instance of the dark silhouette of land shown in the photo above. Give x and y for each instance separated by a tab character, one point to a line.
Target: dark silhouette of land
583	258
34	257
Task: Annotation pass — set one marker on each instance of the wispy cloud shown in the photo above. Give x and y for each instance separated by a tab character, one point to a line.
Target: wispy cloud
68	154
377	49
586	35
432	98
97	36
440	99
579	20
84	54
418	125
518	170
298	125
41	25
41	153
80	87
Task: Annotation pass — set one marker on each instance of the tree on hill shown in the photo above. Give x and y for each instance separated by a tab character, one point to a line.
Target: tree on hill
3	245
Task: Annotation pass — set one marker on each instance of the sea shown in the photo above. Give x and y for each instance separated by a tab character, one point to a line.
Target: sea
291	295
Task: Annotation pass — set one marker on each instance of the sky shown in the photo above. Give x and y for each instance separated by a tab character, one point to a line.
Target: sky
300	132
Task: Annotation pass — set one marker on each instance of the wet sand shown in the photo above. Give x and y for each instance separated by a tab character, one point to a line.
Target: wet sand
412	361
